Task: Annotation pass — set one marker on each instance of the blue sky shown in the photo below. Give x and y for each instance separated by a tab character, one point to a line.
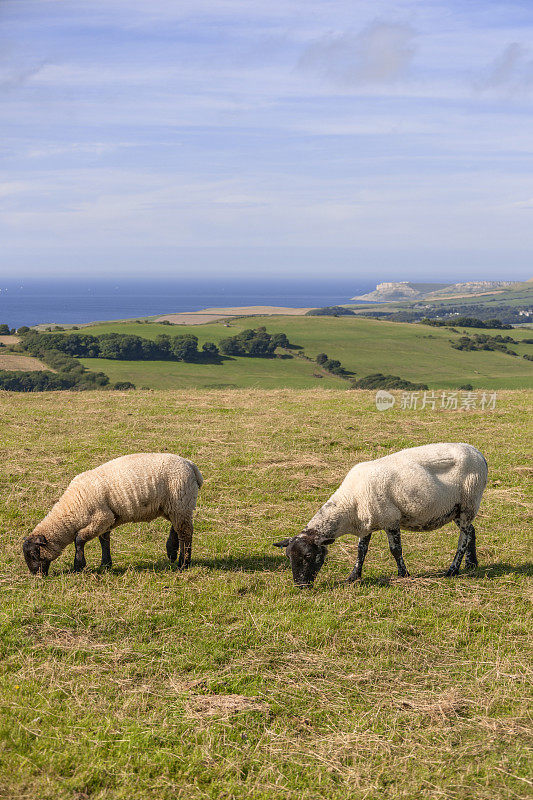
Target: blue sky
152	137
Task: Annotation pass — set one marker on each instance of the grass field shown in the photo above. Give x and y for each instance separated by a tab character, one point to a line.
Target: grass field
364	346
226	681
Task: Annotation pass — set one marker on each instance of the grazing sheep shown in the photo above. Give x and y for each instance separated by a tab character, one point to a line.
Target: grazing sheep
134	488
418	489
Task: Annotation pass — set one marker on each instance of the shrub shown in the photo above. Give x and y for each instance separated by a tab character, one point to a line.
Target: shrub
122	385
380	381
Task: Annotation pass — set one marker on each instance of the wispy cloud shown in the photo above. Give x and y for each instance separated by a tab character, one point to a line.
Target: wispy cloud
11	77
511	72
381	53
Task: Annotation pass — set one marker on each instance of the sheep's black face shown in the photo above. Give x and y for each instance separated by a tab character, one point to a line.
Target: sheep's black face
306	556
31	547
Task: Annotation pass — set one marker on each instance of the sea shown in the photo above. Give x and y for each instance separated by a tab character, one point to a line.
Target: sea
33	302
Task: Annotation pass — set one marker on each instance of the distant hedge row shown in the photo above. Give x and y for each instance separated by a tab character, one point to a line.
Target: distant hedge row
380	381
330	311
467	322
45	381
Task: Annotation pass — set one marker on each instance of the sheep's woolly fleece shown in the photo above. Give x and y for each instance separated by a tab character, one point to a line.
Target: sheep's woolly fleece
417	489
132	488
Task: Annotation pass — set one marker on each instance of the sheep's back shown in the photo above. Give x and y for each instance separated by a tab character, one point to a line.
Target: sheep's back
139	486
423	484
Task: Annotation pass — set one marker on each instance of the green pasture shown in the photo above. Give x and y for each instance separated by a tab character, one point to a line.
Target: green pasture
228	682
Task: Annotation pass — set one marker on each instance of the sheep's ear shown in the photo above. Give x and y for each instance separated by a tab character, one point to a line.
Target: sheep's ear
40	540
283	543
319	538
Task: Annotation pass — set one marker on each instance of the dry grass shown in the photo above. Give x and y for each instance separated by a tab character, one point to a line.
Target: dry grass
21	363
227	682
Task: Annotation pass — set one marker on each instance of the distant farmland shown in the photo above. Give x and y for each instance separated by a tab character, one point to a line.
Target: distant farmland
364	346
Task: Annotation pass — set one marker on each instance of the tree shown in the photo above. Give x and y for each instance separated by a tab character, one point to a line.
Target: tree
321	358
210	349
4	330
231	346
280	340
163	345
184	348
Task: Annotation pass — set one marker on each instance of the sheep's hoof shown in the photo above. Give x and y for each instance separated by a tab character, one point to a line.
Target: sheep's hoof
452	572
353	579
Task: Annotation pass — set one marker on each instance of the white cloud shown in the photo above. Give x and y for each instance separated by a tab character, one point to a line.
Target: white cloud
381	53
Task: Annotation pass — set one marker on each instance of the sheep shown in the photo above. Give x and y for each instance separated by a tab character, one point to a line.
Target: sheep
132	488
417	489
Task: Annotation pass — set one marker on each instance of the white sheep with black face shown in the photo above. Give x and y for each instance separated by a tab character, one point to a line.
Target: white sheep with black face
133	488
418	489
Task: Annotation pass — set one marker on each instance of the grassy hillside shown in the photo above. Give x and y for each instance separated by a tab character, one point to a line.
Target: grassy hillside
226	681
416	352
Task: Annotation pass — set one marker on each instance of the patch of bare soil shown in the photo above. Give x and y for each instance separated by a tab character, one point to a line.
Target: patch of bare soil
224	705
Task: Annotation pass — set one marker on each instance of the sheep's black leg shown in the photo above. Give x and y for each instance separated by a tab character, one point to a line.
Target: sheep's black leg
172	545
362	549
79	558
105	543
395	545
185	539
464	539
470	554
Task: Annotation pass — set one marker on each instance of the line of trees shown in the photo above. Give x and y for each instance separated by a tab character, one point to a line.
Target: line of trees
331	365
118	346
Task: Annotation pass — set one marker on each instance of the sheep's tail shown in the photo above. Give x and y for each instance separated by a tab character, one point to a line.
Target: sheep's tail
197	473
